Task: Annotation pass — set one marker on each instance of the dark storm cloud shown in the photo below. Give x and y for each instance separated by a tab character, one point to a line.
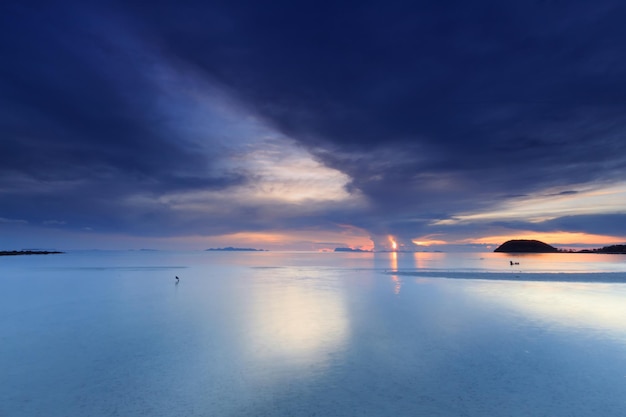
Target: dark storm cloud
431	108
79	126
428	106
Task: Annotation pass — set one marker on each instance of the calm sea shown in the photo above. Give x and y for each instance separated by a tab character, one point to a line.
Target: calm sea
312	334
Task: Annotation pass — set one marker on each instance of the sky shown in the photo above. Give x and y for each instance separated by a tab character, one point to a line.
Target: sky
296	125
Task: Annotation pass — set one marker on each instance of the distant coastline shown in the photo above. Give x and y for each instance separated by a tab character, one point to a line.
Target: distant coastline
350	250
27	252
613	249
231	249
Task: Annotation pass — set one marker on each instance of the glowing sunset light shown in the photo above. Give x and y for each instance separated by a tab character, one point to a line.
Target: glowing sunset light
314	240
428	240
394	244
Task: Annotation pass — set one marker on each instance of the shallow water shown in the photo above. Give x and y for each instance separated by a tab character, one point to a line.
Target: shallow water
303	334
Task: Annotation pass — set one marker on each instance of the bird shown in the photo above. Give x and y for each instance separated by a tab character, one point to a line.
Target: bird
177	279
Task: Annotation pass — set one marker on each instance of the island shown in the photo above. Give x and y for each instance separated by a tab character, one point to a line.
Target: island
231	249
27	252
525	246
350	250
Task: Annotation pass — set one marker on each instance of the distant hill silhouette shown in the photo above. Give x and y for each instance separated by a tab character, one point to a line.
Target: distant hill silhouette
350	250
231	249
614	249
526	246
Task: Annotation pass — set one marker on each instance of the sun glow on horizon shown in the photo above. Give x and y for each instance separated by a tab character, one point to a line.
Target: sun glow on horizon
429	240
543	206
308	240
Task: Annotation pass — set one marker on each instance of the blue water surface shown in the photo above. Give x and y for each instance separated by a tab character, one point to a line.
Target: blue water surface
312	334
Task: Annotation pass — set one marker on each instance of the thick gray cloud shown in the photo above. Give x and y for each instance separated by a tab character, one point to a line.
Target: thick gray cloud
431	109
81	130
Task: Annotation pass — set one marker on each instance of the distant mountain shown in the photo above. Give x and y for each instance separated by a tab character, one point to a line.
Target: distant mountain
350	250
525	246
231	249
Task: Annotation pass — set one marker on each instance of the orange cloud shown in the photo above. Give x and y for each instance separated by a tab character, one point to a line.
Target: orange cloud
429	240
308	240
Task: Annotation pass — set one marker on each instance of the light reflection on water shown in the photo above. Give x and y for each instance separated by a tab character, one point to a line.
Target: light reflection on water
500	262
589	308
305	333
304	315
